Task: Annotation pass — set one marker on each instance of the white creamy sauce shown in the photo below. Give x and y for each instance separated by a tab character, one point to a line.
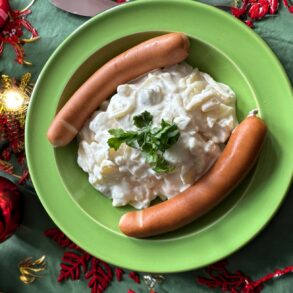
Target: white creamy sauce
203	110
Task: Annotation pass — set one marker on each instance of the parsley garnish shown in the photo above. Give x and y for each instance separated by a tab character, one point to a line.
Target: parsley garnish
152	141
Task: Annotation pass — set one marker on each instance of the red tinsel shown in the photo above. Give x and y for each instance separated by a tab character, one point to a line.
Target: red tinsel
12	33
237	282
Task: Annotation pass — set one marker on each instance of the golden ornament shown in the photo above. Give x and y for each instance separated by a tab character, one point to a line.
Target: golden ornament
30	269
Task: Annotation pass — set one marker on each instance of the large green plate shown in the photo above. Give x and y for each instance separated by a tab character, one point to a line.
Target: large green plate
231	53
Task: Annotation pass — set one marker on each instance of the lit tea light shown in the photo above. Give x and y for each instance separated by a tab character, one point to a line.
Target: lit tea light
13	100
14	96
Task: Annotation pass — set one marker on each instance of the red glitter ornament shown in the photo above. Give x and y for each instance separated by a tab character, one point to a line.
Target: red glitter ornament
4	8
10	208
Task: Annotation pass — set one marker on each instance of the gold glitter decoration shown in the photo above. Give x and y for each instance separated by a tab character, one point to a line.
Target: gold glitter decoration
14	97
30	269
152	281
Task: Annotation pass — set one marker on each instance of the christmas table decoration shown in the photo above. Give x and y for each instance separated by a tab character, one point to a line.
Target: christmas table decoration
255	10
10	208
12	26
30	269
237	282
14	99
77	264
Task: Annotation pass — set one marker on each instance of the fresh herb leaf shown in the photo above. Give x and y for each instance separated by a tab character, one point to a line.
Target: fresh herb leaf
153	142
142	120
114	142
120	136
162	166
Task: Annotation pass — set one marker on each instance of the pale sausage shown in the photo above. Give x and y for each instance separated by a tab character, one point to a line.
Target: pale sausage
236	160
155	53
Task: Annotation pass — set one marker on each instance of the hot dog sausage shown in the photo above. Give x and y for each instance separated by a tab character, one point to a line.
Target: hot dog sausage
233	164
157	52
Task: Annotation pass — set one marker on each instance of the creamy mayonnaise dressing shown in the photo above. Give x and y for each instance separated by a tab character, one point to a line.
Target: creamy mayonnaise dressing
203	110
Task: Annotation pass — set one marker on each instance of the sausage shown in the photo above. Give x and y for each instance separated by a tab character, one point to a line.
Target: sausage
237	158
154	53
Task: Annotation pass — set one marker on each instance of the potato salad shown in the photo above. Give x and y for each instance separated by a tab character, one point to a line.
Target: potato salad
203	111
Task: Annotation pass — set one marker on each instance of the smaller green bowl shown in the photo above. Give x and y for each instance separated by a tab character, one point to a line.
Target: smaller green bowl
207	59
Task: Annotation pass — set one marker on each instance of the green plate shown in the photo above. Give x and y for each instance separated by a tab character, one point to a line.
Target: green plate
220	45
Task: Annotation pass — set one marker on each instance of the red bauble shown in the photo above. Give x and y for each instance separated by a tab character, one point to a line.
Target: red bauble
10	208
4	9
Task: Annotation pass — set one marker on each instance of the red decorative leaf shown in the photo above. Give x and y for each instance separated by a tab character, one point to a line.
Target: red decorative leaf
58	236
130	291
99	276
118	273
134	276
226	281
72	264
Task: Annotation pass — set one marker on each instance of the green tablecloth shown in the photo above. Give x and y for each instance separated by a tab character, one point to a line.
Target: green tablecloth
271	249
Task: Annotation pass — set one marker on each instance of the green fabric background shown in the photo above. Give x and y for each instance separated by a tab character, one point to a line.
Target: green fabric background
271	249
